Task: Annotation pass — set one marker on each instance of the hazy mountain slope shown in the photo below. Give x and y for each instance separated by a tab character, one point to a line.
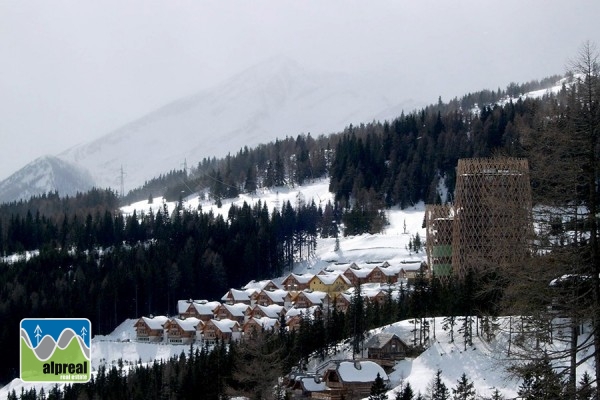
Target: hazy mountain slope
275	99
43	175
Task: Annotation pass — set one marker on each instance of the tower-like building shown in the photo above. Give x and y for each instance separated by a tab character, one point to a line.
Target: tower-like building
491	223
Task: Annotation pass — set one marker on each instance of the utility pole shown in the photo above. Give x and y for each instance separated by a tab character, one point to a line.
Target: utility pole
122	182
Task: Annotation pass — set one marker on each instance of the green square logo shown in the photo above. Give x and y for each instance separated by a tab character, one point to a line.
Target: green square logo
56	350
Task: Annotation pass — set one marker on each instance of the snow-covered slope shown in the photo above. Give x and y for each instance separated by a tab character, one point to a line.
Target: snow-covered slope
484	362
45	174
274	99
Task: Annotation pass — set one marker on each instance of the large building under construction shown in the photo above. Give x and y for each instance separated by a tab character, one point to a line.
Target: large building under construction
489	225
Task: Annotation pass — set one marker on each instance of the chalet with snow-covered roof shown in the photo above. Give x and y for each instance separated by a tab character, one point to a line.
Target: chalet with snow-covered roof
294	316
302	384
379	296
261	285
331	283
201	309
150	329
225	330
409	271
234	296
310	298
236	312
342	302
386	346
382	275
182	330
280	297
294	282
351	379
256	325
274	311
356	275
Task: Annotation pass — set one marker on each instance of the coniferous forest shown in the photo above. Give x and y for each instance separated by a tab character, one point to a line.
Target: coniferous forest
95	262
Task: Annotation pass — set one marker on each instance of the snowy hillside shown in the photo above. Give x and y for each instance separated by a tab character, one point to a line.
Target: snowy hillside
391	246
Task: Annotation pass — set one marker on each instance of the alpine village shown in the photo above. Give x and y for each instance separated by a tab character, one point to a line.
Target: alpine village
494	289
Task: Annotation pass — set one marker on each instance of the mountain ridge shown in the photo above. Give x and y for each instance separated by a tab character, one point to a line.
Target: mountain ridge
271	100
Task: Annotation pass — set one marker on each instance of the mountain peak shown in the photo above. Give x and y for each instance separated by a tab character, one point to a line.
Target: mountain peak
45	174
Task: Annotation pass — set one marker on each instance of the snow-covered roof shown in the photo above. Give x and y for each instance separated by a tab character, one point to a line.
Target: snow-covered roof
186	324
260	285
359	273
315	297
380	340
155	322
206	308
203	307
329	279
300	278
265	322
278	295
237	309
237	295
310	385
224	325
272	311
366	372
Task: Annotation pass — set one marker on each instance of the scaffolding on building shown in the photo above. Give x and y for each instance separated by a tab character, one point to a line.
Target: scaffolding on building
489	225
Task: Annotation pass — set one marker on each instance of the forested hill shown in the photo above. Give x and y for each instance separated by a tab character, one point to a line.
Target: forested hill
386	163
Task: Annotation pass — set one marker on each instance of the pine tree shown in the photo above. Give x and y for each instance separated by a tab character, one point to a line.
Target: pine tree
357	320
406	393
438	389
378	389
540	381
585	390
464	390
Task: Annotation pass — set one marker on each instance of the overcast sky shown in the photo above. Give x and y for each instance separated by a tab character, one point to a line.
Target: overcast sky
71	71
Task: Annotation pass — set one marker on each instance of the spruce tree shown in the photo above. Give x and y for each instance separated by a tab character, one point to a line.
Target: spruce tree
406	393
378	389
438	389
464	389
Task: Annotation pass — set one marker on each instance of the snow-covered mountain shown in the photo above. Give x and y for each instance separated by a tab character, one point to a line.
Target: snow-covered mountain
43	175
274	99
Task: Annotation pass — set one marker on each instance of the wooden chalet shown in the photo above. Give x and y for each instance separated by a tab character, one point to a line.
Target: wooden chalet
257	325
150	329
268	297
309	298
235	296
342	302
382	275
294	282
410	271
379	296
274	311
201	309
237	312
356	275
384	346
225	330
351	379
305	385
261	285
182	331
330	283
